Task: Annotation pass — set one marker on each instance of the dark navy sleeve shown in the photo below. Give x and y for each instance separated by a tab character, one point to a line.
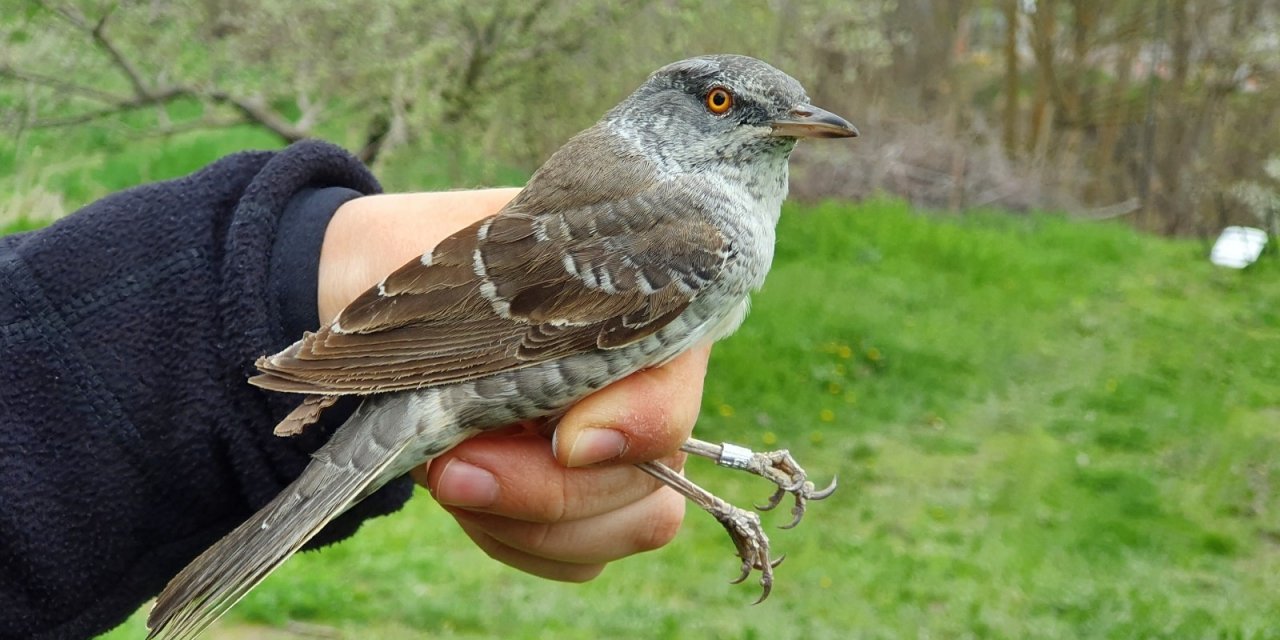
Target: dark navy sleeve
129	439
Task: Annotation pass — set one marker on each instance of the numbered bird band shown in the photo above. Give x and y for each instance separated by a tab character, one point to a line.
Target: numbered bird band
735	457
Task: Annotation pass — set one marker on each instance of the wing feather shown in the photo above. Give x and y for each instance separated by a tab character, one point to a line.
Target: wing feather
553	274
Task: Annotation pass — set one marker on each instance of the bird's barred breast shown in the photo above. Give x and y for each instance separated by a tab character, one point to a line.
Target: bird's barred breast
444	415
548	388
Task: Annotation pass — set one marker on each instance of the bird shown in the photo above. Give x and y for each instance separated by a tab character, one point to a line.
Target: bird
643	236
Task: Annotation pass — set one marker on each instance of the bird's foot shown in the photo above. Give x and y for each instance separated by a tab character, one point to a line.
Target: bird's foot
778	467
743	526
753	545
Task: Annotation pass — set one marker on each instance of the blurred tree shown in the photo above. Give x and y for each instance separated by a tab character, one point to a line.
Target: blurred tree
926	38
1011	12
1100	107
1205	63
291	69
1263	197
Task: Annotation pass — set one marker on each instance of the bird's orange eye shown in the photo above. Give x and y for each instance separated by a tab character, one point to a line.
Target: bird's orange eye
719	101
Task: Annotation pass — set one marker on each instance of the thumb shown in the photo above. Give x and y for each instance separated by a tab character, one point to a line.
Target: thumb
642	417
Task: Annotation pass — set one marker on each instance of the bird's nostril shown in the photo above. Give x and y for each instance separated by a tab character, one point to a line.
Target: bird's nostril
801	112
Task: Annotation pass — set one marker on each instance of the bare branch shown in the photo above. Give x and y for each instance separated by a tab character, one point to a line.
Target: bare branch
99	34
167	95
74	19
1122	208
98	31
197	125
57	84
255	110
252	110
379	129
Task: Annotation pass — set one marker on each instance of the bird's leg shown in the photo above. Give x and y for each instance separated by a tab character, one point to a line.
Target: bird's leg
743	526
777	467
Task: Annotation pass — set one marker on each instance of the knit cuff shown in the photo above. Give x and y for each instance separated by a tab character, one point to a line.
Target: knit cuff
295	257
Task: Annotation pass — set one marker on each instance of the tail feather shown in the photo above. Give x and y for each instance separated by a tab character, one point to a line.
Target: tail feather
228	570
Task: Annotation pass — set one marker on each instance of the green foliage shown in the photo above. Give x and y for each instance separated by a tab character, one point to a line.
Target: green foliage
1042	428
502	80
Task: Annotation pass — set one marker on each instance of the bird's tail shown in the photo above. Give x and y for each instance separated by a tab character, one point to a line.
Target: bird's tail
356	462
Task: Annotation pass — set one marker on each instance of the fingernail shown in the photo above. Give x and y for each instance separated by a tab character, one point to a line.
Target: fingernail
595	445
465	485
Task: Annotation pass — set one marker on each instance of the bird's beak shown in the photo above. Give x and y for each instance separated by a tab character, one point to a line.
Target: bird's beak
808	121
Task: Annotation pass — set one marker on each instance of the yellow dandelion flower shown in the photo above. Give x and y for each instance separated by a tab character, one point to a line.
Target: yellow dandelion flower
769	438
844	351
725	410
827	415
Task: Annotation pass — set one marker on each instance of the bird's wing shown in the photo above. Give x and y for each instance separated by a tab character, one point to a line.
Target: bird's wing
532	283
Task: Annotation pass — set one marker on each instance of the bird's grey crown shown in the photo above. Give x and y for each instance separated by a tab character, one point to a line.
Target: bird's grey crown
752	80
666	118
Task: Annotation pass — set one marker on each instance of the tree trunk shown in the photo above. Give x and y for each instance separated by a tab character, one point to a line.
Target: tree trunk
1043	28
1115	113
1010	10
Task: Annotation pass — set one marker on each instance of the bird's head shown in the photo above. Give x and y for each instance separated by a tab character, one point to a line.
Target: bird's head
720	110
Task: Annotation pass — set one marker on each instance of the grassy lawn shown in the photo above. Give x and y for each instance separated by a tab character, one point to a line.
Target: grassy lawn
1042	428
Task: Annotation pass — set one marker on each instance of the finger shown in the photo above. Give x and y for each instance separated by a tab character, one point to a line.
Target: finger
529	563
643	525
644	416
517	477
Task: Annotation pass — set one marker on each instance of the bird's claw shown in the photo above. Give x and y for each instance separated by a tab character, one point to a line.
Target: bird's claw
780	468
743	526
752	544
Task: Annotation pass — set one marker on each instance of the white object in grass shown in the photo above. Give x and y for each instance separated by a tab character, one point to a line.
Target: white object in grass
1238	247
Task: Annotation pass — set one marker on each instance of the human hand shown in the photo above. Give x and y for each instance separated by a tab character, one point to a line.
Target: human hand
562	510
559	509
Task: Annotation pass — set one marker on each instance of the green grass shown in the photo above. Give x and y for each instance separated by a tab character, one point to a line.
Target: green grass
1042	428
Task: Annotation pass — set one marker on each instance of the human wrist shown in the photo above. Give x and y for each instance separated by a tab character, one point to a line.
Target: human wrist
370	236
